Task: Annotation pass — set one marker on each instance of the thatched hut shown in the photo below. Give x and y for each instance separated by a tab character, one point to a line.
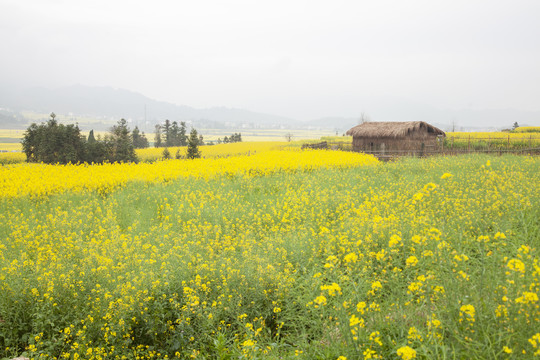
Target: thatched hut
410	137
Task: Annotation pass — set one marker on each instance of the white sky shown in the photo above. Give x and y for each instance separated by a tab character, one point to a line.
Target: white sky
303	59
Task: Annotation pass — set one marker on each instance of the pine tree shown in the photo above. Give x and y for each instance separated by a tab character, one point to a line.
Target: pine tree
157	136
182	134
175	134
96	150
91	138
193	145
122	143
167	133
139	140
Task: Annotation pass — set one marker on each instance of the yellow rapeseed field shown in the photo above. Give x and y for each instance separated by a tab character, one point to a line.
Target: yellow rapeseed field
494	135
12	157
41	179
529	129
277	255
213	151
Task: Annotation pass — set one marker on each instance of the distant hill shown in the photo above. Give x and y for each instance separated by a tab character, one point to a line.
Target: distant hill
107	102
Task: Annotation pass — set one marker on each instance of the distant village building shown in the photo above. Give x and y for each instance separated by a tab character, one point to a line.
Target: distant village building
407	138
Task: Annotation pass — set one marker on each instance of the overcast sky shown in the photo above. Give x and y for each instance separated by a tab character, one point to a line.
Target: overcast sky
302	59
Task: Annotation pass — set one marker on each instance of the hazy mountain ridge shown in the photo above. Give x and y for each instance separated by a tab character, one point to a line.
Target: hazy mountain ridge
119	103
108	104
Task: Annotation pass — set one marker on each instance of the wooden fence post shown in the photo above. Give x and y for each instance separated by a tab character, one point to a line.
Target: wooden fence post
469	144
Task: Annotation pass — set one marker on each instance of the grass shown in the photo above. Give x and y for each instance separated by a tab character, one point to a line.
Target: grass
429	258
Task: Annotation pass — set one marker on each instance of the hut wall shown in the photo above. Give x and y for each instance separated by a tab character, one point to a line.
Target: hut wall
416	144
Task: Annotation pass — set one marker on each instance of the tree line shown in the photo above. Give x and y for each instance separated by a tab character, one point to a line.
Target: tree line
51	142
170	134
231	139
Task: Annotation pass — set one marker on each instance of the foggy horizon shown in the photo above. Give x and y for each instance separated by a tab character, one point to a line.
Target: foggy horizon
303	60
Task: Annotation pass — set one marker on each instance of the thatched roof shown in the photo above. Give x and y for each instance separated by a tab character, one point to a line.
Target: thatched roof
392	129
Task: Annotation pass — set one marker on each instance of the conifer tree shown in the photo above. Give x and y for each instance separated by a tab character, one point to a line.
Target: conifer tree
139	140
91	138
96	150
157	136
193	145
121	143
167	133
182	134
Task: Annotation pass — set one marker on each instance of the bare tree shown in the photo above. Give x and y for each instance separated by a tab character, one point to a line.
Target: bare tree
289	136
364	118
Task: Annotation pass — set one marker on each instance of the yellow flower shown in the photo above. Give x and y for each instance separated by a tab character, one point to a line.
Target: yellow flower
527	298
446	176
516	265
406	353
361	307
354	320
467	310
332	289
394	241
320	300
535	340
414	335
351	258
412	261
376	285
248	343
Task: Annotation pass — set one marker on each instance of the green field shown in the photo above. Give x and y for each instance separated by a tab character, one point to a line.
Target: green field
432	258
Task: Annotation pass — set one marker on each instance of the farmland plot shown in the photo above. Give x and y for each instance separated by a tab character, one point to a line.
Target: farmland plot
421	258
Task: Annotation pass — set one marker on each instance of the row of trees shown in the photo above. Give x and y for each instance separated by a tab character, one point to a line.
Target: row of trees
170	134
231	139
51	142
